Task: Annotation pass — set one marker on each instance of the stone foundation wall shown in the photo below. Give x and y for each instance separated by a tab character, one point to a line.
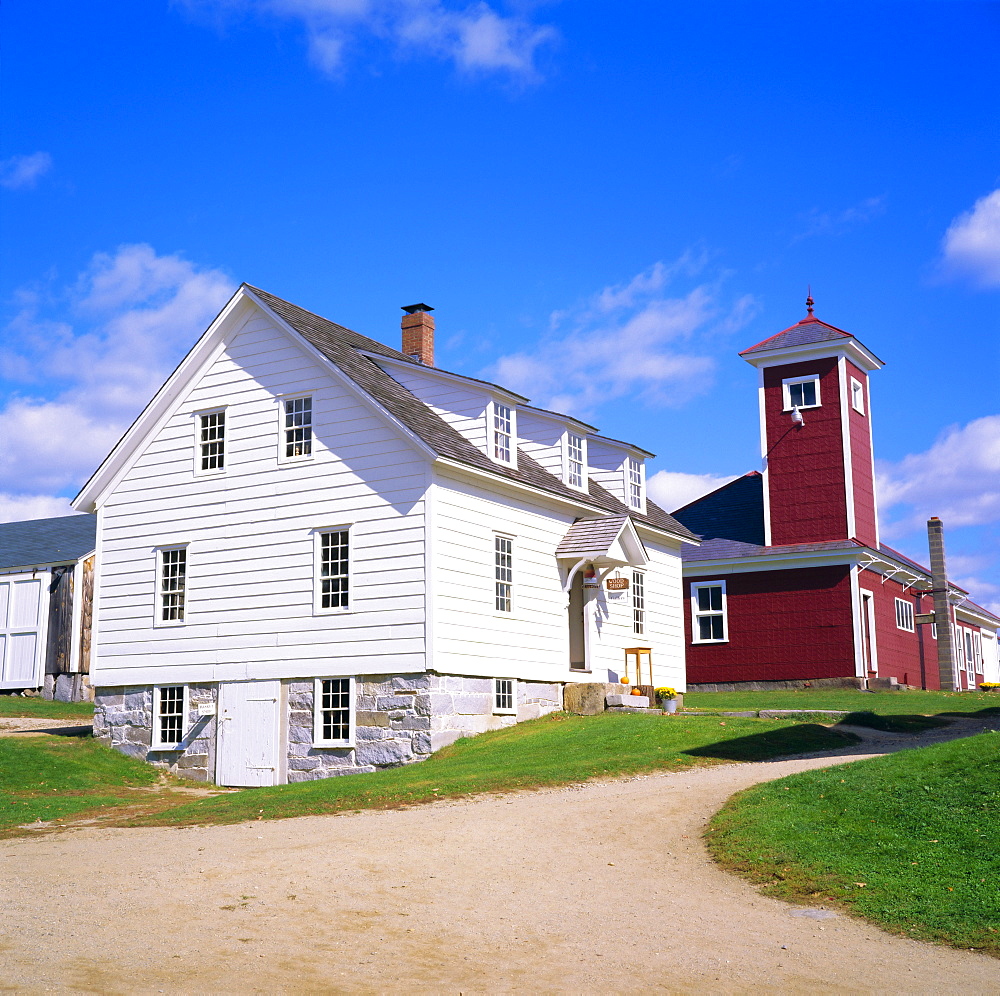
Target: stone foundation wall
767	686
68	688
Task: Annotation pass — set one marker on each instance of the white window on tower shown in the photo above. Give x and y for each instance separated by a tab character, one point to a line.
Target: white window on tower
801	392
171	585
169	716
857	396
575	473
503	555
504	697
502	431
638	603
333	570
211	442
708	612
298	413
333	712
633	470
904	615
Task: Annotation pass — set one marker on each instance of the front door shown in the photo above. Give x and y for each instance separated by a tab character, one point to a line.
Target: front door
247	748
577	624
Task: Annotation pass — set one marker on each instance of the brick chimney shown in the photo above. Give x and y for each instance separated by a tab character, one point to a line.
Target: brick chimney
418	333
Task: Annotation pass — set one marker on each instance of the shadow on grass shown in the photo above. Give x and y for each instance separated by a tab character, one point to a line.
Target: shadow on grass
894	722
989	713
775	744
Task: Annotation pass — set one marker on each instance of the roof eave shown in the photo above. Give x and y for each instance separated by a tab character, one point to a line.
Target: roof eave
850	347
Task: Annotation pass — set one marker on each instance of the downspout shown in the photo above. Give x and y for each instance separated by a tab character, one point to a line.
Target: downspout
942	608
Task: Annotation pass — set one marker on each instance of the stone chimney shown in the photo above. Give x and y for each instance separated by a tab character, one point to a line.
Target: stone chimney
942	608
418	333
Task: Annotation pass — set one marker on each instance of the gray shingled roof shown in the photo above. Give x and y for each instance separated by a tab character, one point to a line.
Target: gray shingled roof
591	535
809	330
721	549
47	541
343	347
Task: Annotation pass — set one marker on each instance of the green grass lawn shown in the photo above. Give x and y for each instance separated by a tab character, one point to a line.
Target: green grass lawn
51	778
847	700
19	705
908	840
555	750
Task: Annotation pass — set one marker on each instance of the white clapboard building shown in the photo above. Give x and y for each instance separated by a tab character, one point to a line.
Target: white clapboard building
318	555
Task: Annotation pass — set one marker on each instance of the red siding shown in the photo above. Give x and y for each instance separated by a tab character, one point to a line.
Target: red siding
806	486
861	462
910	658
782	625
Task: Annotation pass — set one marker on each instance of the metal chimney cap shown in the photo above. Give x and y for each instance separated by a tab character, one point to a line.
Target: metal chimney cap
411	309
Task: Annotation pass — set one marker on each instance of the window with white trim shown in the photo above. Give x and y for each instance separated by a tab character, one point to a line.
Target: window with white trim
333	712
708	612
633	473
904	615
171	572
211	442
575	472
503	554
857	396
504	697
333	568
970	655
170	707
297	427
977	641
638	603
801	392
503	426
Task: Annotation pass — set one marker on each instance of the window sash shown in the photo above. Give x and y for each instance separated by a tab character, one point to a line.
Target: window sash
503	557
298	427
173	584
904	615
634	482
504	697
212	440
574	460
801	392
333	712
857	396
333	589
708	606
638	603
502	429
169	715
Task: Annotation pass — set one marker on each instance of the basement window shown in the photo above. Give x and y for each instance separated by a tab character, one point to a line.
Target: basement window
504	697
801	392
333	712
170	708
708	612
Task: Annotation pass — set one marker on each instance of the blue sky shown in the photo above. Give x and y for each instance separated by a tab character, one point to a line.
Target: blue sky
603	201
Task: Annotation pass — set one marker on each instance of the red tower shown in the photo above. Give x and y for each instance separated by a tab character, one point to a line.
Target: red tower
815	430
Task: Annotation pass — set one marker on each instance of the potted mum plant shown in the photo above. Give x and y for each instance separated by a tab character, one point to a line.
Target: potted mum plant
667	697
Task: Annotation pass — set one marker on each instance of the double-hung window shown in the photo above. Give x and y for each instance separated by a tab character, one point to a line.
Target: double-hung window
633	470
333	579
708	612
857	396
503	424
333	712
801	392
504	696
638	603
211	442
904	615
170	708
503	558
171	585
297	427
575	475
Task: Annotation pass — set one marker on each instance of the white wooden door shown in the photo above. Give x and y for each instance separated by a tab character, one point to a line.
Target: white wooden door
247	746
21	631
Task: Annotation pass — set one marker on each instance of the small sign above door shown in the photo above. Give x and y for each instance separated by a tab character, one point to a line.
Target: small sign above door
616	584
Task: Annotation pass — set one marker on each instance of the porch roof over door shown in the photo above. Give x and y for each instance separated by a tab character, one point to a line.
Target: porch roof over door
606	541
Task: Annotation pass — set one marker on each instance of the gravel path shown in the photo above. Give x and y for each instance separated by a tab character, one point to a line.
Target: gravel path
597	888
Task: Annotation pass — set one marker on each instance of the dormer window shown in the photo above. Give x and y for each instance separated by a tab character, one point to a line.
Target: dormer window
801	392
503	424
575	462
633	471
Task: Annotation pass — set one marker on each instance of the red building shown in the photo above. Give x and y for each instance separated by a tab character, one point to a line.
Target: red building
791	582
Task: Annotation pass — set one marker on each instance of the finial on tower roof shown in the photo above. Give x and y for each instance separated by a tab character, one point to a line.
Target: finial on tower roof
809	300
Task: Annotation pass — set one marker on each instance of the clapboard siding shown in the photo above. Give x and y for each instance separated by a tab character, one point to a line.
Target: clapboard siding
542	439
250	532
607	467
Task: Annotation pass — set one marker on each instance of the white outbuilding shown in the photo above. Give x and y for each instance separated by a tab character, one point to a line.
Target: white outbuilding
320	555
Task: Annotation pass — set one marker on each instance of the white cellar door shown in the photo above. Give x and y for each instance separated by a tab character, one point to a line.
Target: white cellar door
20	631
248	738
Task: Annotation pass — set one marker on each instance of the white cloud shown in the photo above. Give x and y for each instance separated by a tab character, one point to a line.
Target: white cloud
474	36
133	315
17	508
971	246
956	479
673	489
839	222
22	172
628	341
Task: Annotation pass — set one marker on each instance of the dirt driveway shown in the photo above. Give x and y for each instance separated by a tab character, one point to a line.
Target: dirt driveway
604	887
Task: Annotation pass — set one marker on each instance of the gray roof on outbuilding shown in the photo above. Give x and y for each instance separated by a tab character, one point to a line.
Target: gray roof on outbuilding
345	349
47	541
